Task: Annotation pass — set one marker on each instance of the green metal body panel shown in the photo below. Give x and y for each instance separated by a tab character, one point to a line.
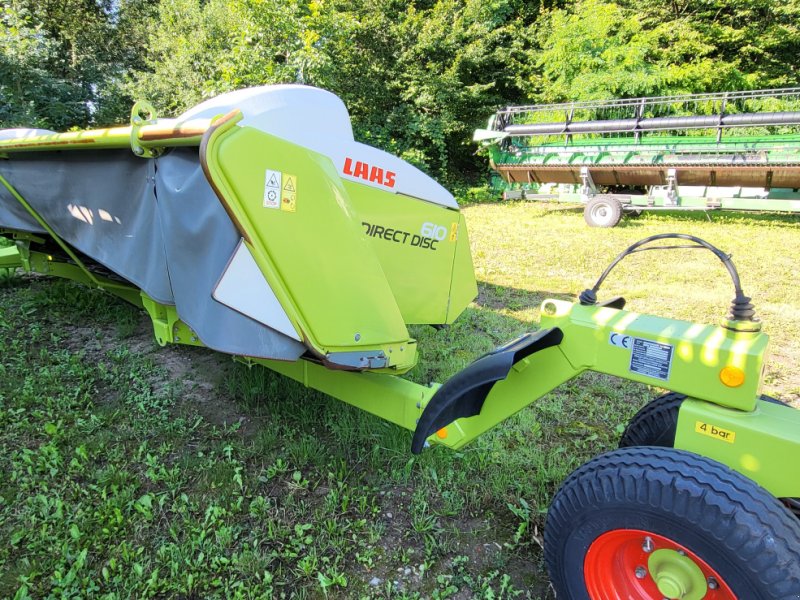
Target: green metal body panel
698	352
396	227
392	398
767	165
167	325
321	234
762	444
10	258
142	136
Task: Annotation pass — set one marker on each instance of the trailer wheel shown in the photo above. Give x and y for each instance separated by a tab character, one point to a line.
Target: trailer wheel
602	212
652	523
655	423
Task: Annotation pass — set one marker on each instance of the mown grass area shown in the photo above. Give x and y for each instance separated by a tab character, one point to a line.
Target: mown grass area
132	471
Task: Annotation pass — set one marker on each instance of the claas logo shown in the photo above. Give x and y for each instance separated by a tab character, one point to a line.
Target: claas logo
367	172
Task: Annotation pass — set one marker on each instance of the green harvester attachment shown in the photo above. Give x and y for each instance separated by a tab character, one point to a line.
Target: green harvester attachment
255	225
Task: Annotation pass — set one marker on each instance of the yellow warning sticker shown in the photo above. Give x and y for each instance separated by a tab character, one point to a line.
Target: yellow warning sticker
289	193
715	432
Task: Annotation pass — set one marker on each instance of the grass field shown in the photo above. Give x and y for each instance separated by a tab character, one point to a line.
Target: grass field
132	471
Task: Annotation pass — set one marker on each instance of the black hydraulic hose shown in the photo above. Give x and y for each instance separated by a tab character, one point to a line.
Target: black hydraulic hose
741	307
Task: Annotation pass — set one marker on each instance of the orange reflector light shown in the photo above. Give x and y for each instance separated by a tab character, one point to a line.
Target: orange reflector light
732	376
442	433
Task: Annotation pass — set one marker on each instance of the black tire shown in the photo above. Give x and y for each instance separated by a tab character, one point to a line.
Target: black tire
655	423
602	212
736	527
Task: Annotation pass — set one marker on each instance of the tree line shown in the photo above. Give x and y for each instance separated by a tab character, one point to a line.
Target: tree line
418	77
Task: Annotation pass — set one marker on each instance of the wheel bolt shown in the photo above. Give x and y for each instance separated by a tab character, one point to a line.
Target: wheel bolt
641	572
648	545
712	583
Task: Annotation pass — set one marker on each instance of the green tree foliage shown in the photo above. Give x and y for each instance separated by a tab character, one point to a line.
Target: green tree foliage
597	49
760	39
417	76
62	60
198	49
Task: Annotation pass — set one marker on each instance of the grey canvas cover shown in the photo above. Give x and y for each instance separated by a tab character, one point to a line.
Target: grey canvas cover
155	222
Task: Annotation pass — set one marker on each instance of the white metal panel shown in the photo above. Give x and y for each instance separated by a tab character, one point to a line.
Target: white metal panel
318	120
243	288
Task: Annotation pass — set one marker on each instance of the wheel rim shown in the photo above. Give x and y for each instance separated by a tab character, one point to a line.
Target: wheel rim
601	213
632	564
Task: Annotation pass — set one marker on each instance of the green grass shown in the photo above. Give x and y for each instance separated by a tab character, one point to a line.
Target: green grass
131	471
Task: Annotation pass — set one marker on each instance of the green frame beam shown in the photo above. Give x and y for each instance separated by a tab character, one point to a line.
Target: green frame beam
760	444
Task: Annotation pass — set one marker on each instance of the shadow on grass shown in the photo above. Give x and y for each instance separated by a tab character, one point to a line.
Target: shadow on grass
771	219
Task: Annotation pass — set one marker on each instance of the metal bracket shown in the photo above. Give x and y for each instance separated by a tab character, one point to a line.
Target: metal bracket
374	359
142	114
672	188
588	188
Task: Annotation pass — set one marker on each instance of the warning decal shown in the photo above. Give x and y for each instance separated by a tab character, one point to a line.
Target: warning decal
272	189
454	232
289	193
651	359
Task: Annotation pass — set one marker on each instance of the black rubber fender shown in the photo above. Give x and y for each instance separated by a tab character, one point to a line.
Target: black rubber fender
463	394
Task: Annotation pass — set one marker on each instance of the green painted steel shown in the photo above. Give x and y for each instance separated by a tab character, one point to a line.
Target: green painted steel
594	339
393	224
463	288
146	135
394	399
599	148
319	233
167	325
761	444
677	575
10	258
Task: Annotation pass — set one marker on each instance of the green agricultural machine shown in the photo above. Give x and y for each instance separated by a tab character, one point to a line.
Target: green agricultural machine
700	152
256	226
